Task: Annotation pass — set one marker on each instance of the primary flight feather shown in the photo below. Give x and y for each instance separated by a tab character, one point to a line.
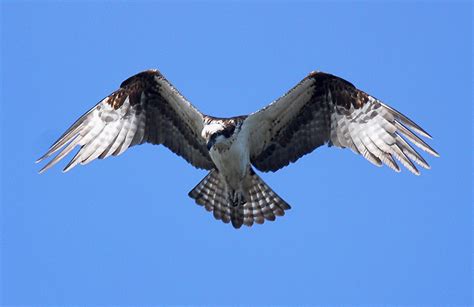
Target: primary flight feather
321	109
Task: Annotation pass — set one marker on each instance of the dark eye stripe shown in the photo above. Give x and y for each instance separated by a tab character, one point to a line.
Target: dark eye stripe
228	131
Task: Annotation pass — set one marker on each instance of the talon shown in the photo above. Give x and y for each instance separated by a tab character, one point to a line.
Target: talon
236	198
241	199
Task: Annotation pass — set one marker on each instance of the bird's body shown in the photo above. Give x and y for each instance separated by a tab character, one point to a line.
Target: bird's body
321	109
231	156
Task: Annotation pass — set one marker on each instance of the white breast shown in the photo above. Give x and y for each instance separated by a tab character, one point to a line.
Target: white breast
232	158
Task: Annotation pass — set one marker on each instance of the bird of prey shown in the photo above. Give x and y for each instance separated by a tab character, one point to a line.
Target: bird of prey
321	109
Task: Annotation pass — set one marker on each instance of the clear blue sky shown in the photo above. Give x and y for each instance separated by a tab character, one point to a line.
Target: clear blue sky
123	230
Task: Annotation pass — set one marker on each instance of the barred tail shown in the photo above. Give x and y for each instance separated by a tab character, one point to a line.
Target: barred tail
262	203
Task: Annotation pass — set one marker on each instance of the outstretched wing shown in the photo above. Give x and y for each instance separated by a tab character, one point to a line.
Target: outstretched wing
146	109
325	109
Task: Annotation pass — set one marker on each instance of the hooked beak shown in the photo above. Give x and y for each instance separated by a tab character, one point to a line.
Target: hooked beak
211	143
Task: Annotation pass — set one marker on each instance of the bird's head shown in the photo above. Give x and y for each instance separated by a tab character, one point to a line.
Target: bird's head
217	134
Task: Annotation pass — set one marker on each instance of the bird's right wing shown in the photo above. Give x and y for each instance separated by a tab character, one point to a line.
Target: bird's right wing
146	109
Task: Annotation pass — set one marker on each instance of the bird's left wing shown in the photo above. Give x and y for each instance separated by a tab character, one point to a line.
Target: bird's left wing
325	109
146	108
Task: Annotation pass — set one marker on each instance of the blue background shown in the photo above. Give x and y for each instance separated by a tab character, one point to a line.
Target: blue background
123	230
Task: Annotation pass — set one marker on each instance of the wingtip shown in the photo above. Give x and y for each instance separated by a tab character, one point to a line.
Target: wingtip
405	120
41	158
432	152
424	133
427	135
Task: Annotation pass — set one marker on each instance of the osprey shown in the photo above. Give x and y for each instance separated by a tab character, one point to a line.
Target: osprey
321	109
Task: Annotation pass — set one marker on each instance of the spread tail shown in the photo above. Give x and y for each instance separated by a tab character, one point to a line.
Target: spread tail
261	203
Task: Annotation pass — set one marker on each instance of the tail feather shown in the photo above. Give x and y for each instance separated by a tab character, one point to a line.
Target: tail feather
210	193
262	203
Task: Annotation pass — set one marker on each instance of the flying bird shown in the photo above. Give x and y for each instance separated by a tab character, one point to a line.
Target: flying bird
321	109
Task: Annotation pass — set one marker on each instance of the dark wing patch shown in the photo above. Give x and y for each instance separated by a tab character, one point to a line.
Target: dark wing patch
146	109
133	87
324	108
296	138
